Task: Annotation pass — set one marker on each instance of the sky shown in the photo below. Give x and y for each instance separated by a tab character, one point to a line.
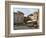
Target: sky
26	11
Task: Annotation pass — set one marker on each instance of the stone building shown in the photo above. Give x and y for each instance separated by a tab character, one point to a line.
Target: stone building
34	16
34	19
18	17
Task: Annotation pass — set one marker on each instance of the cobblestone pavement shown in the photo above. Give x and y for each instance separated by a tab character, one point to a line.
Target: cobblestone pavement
24	27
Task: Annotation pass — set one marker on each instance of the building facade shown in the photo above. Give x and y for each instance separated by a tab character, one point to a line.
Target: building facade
18	17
